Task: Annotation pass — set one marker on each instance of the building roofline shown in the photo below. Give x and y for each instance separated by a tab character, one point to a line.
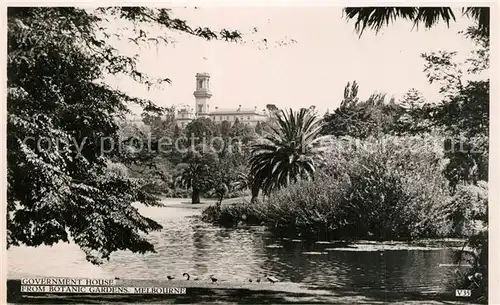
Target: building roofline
235	113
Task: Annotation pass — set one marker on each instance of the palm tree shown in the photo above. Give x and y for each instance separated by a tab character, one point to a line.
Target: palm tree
196	171
286	154
242	181
245	180
377	17
194	176
221	176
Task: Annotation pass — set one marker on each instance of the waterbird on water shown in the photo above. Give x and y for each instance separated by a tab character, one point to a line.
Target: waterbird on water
271	279
258	280
169	277
250	280
188	276
213	279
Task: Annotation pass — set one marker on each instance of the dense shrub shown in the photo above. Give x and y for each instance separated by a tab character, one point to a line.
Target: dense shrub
465	207
177	192
396	185
308	208
303	208
230	215
212	194
386	188
118	168
468	159
468	213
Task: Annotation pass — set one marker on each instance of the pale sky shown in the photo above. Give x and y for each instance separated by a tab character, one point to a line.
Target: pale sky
313	71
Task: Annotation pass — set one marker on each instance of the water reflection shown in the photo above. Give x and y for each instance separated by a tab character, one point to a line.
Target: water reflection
188	245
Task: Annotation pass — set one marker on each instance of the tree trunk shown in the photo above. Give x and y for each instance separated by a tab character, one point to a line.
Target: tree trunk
255	194
195	197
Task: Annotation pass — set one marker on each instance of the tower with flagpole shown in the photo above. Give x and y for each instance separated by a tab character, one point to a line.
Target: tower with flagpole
204	109
202	95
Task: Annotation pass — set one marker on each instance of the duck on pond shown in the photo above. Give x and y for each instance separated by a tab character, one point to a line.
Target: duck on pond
271	279
213	279
169	277
188	276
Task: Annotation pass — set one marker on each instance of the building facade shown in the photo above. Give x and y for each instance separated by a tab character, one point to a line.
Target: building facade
203	108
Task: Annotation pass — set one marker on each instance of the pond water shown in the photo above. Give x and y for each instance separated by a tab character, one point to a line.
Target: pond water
186	244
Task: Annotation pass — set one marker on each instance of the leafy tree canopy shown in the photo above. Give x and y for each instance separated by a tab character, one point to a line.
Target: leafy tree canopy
201	128
161	124
60	183
361	119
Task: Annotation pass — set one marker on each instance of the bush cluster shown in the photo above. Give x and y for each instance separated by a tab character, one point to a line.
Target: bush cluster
466	210
387	189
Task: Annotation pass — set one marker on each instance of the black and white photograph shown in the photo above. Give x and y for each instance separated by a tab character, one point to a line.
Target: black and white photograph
248	153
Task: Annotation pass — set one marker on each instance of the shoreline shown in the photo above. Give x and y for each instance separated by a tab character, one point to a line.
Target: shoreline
424	243
172	202
232	293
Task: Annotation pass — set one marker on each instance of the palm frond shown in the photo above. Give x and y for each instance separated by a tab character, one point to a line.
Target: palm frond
283	156
482	17
375	18
430	16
